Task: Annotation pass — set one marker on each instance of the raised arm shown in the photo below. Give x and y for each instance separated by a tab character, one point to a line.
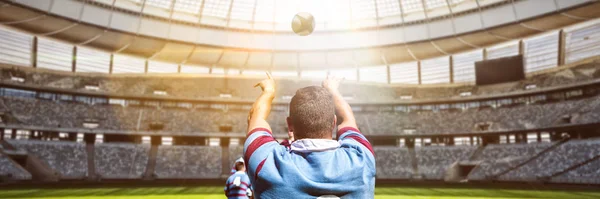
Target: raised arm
261	108
343	111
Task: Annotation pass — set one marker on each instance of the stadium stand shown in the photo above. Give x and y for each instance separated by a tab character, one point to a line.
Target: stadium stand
496	158
201	162
587	173
67	158
35	112
518	117
393	163
121	160
188	162
11	170
235	152
556	160
434	160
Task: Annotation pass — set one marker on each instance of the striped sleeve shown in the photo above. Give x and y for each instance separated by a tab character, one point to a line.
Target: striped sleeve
259	144
352	136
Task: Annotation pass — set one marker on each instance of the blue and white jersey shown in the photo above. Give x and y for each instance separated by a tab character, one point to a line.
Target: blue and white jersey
310	168
237	186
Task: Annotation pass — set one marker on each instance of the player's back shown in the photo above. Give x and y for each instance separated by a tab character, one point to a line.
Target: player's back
337	172
237	186
313	168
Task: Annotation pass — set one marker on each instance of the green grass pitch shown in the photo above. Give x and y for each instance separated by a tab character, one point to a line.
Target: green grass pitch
217	192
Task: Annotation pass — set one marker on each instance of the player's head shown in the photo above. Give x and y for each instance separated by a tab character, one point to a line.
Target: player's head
239	166
312	113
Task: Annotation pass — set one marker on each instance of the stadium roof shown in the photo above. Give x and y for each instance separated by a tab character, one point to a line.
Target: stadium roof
147	30
277	14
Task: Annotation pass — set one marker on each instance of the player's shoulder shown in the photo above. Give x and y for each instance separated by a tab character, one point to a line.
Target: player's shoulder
245	176
349	132
258	137
346	131
232	176
351	137
238	174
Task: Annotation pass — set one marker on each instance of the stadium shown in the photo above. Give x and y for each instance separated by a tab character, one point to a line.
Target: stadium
150	98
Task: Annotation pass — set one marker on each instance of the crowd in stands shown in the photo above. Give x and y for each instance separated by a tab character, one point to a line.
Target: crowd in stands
48	113
393	163
120	160
497	158
186	162
208	118
519	117
69	159
240	87
562	157
11	170
180	86
587	173
433	161
575	161
236	152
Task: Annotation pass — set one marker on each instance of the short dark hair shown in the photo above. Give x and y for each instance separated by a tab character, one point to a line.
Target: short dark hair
312	112
239	166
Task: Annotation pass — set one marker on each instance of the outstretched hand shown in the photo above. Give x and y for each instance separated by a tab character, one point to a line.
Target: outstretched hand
332	84
267	85
257	118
